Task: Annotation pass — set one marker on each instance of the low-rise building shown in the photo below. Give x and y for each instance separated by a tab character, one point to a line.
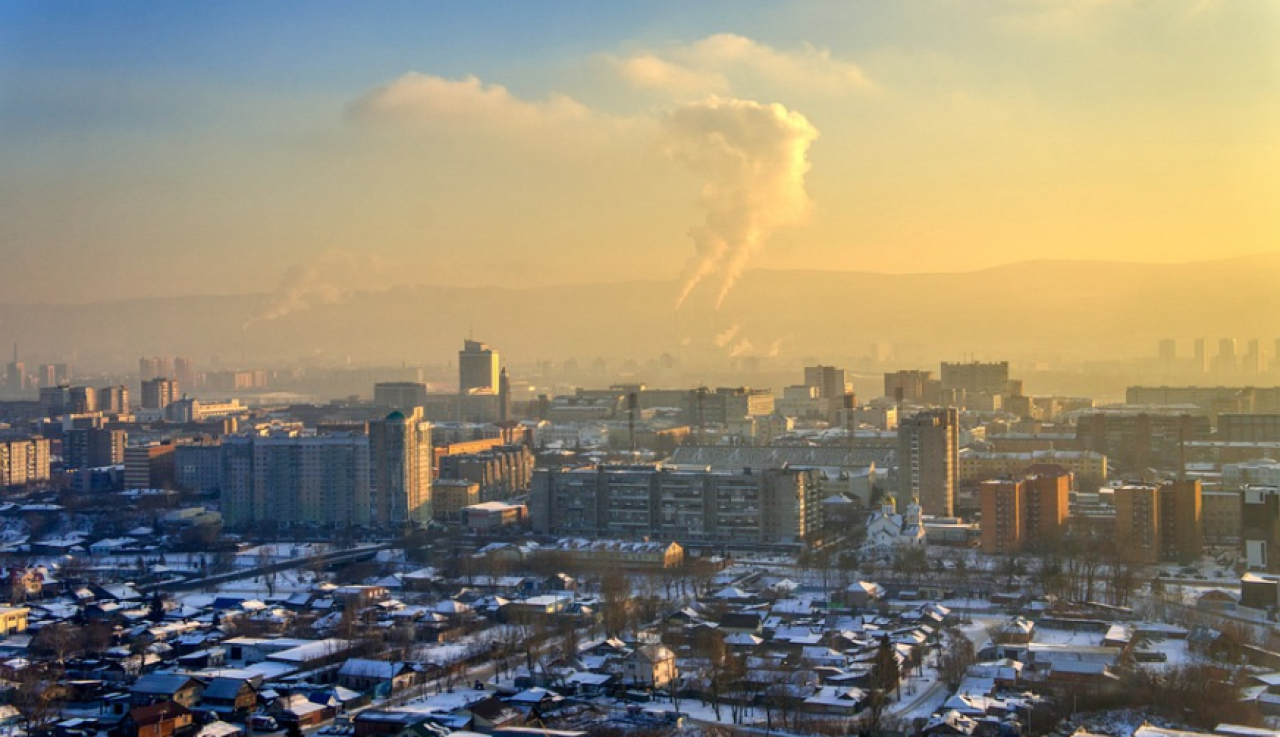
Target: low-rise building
887	532
449	496
155	688
620	553
231	698
1088	467
376	676
157	720
493	515
13	619
651	666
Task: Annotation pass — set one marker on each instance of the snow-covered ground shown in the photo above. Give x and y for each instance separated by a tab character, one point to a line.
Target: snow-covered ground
1176	653
921	697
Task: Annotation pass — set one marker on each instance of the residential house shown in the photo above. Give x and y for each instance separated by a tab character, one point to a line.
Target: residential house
230	697
836	700
652	666
745	622
157	720
862	594
155	688
492	714
297	709
950	723
360	596
382	723
1018	630
382	677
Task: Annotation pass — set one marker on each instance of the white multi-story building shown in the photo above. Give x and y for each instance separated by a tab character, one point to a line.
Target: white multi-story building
342	478
573	435
1264	472
24	461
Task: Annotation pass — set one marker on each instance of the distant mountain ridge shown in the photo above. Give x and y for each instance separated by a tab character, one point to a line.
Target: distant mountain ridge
1066	308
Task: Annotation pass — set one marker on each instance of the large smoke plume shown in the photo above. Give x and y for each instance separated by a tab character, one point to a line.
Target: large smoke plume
753	158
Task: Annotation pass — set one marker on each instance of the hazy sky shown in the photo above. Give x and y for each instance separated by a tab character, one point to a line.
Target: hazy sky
178	148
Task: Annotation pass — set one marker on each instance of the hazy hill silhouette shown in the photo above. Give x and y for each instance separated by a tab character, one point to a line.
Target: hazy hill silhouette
1068	308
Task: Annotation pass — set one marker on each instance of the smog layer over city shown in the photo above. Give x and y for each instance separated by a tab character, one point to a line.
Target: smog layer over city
569	369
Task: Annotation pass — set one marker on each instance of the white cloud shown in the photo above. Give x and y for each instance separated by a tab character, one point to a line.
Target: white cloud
417	98
751	157
647	71
727	61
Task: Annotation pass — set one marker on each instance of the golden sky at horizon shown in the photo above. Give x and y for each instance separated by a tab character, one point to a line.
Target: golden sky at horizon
210	150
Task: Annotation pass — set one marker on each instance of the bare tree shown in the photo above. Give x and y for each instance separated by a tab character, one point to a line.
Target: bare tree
956	658
98	637
781	698
615	593
17	587
59	641
38	697
1124	571
724	673
73	568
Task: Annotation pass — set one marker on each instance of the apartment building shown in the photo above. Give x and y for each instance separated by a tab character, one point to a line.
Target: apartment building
928	460
1160	523
1024	512
24	461
771	506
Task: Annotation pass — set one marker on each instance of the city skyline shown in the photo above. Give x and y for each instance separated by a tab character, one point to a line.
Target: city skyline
807	368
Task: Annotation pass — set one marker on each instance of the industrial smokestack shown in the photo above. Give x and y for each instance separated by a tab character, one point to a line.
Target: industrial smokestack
702	417
849	401
633	401
1182	449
